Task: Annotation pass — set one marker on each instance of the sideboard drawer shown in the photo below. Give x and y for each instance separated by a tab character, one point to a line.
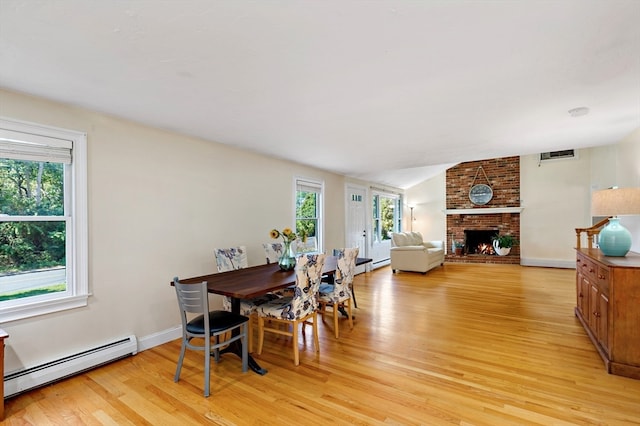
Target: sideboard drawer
603	279
588	268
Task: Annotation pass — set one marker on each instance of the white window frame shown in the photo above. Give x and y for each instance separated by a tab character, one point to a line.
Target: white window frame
315	184
76	213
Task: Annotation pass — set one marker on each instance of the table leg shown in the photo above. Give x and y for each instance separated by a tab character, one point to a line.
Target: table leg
236	347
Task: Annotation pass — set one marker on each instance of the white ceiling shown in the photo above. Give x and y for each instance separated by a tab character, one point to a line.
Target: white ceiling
387	91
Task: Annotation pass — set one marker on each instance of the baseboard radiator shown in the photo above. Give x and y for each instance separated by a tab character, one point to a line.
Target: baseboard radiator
29	378
380	263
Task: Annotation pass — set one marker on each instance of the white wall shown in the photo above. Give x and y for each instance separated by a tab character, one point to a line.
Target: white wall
159	203
556	198
429	201
628	176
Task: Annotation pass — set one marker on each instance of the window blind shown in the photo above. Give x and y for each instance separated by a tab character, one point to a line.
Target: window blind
32	147
305	186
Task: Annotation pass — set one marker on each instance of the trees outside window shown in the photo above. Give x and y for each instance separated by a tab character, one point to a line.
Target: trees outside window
29	190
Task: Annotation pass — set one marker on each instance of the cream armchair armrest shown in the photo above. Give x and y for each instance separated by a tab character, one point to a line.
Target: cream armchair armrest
434	244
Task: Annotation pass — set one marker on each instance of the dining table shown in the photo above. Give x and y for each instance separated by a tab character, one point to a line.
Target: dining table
254	281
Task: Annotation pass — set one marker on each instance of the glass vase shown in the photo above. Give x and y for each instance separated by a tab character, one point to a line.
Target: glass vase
287	261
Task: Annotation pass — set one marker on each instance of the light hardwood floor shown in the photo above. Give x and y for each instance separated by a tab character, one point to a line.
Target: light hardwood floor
464	344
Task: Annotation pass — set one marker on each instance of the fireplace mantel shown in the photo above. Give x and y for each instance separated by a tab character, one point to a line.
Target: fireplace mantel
486	210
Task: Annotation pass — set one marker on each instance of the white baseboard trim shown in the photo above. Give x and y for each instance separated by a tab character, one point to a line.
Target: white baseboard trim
548	263
159	338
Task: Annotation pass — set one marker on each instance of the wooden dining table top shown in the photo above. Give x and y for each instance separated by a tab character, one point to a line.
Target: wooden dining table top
254	281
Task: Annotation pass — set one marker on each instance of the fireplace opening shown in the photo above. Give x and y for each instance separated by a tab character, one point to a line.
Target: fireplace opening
479	241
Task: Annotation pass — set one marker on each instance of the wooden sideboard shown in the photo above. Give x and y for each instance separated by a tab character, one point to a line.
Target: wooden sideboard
608	301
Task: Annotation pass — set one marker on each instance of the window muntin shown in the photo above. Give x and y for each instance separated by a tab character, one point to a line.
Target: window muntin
43	220
309	212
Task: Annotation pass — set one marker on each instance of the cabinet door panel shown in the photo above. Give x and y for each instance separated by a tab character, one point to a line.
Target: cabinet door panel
593	308
603	322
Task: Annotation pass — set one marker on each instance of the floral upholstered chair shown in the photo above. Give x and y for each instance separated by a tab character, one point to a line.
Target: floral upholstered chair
232	258
301	308
229	259
272	251
338	294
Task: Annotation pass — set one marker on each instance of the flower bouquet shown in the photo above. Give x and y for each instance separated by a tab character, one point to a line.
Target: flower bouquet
288	260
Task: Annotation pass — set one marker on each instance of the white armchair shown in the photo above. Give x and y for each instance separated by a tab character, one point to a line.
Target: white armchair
410	253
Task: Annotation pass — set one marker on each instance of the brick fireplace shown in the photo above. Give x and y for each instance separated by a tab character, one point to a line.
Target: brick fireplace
475	225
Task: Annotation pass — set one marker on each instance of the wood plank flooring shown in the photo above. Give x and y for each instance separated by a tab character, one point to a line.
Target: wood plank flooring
464	344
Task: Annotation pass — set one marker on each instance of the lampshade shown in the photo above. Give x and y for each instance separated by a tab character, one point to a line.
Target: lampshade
614	239
616	202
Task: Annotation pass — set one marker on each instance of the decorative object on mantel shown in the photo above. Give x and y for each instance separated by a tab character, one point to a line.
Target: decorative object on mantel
288	259
614	239
480	194
502	244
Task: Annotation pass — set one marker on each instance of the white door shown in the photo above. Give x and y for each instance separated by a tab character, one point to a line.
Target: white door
356	233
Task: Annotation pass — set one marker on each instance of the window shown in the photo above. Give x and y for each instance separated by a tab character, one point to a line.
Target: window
43	220
309	213
387	215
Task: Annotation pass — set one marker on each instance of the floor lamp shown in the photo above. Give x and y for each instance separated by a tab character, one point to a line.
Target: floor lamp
614	239
411	218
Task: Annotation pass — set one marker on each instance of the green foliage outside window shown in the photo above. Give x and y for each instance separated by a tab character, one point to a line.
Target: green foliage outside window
384	217
307	213
387	217
29	188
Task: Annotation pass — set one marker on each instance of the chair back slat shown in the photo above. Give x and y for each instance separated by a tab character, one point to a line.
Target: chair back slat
192	298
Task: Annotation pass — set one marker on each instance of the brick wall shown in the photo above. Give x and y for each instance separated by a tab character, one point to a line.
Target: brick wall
504	179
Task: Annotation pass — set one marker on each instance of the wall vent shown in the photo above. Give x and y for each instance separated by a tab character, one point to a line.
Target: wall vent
556	155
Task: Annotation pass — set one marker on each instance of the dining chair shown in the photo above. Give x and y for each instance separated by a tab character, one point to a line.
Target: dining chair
296	310
336	252
338	295
232	258
228	259
272	251
216	324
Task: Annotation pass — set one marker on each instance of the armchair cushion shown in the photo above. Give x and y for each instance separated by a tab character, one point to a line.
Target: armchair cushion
410	253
